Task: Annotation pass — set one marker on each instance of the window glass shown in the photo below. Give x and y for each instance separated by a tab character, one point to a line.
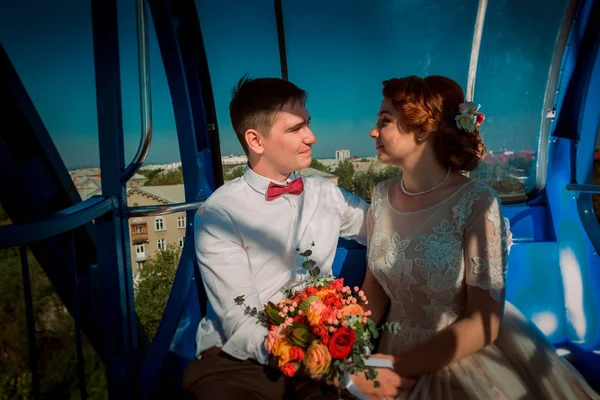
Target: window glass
514	64
240	38
350	48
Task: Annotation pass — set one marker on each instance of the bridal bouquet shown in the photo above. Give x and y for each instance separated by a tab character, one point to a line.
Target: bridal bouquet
322	327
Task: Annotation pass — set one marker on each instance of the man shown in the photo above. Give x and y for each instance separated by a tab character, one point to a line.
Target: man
247	234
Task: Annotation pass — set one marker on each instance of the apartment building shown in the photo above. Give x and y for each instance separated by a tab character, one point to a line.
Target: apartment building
153	233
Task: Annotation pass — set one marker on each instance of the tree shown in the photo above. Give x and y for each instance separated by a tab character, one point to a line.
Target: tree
168	177
154	286
316	164
55	337
345	173
364	183
150	173
232	173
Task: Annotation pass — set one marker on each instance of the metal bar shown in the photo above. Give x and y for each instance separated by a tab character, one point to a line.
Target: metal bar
35	377
145	93
142	211
63	221
475	49
281	39
551	95
76	317
114	268
594	189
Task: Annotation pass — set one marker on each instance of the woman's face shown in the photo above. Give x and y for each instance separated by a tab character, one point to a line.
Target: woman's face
394	140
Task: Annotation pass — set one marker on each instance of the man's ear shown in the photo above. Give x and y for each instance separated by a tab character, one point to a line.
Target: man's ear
254	140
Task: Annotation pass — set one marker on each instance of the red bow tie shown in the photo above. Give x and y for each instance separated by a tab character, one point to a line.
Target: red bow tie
294	187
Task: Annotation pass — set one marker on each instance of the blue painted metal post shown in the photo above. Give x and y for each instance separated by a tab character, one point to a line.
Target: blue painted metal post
182	49
116	287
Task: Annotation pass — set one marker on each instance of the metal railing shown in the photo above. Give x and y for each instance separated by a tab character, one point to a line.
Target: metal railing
62	223
145	93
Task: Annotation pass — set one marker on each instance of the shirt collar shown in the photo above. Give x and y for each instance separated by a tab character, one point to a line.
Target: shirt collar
261	183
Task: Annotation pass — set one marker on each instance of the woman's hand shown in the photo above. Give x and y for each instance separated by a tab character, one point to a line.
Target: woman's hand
390	383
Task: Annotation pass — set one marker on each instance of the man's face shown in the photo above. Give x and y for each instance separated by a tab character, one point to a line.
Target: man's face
288	146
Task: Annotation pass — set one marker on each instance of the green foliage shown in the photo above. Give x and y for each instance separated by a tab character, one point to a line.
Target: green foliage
55	338
503	177
345	173
232	173
150	173
316	164
160	177
364	183
154	286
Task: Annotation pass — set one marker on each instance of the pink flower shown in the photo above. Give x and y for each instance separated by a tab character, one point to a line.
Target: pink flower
480	119
314	312
274	335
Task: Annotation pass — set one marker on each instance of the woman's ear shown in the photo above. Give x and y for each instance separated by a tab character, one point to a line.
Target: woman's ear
421	136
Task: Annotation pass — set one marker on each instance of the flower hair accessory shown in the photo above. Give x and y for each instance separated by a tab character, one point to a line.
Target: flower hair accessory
468	117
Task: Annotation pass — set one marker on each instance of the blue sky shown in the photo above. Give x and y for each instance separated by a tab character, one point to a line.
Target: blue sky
339	51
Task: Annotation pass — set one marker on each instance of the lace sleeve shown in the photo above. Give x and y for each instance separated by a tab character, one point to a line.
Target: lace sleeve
486	246
372	219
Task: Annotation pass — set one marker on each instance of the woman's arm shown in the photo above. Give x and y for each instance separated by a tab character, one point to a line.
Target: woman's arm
478	328
485	265
378	299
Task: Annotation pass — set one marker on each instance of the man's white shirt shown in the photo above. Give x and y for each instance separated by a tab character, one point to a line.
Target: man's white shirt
246	245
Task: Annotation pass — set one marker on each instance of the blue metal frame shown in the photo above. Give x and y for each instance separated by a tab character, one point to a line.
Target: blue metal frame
36	185
63	221
589	126
577	121
186	67
121	348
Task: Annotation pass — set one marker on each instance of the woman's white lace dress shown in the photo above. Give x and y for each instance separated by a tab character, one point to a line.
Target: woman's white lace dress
424	260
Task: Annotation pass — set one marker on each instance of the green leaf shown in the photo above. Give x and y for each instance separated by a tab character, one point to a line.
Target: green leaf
306	253
307	302
372	329
393	327
317	271
371	373
273	315
239	300
308	265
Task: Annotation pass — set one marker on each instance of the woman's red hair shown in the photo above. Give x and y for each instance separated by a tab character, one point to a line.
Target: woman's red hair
431	104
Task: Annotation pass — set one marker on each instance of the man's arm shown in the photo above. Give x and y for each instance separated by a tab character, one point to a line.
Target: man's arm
226	274
354	217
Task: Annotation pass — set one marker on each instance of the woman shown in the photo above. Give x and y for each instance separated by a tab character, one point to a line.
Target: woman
437	252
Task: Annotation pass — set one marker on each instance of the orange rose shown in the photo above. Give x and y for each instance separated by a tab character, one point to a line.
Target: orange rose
317	360
281	350
353	309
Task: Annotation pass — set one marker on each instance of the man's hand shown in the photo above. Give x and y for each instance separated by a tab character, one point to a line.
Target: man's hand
389	382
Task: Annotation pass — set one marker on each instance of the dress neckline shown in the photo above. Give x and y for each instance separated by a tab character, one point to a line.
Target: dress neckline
439	203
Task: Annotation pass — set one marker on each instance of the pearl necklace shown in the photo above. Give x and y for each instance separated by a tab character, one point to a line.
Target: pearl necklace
406	192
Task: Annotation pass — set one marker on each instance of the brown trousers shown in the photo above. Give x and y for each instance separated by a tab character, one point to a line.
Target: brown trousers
223	377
